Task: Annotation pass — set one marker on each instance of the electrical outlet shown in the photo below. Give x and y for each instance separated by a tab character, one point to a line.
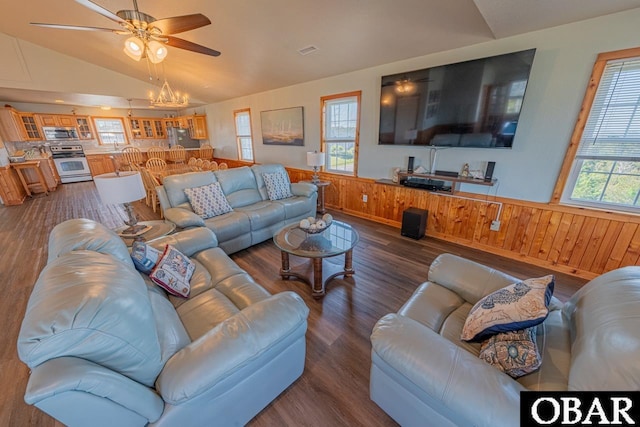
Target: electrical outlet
364	198
495	225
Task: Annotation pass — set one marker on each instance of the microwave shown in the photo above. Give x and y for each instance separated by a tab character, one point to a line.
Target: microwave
59	133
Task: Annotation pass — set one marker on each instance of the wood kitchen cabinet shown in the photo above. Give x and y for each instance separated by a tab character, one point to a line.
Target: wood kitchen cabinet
85	131
11	190
56	120
147	128
18	126
197	126
100	163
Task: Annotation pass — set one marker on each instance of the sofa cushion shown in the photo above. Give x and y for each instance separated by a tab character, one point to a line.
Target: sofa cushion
296	207
239	185
174	185
517	306
208	201
229	226
277	184
76	309
173	272
144	257
515	353
264	214
260	170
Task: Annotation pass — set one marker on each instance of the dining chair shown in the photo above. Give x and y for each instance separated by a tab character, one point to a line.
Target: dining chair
213	165
150	184
156	165
223	166
206	165
156	153
206	152
199	163
192	161
132	157
177	154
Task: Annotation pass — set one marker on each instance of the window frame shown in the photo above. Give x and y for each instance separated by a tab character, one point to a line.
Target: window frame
356	142
571	166
238	136
99	134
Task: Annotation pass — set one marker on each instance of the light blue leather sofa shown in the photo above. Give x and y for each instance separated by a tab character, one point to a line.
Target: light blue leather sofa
106	347
254	219
423	374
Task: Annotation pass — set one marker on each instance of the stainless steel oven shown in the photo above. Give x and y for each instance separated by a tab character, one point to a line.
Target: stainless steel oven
71	163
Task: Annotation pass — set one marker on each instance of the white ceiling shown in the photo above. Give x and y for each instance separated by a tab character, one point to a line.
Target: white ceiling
260	39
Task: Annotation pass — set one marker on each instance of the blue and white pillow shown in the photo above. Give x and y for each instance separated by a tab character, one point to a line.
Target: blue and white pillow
208	201
277	185
517	306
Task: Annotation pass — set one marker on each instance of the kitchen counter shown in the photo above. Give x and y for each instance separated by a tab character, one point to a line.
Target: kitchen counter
110	150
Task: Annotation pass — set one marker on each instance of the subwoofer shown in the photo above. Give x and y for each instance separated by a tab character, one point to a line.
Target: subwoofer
414	223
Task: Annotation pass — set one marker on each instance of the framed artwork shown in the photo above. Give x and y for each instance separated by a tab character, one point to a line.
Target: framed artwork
283	127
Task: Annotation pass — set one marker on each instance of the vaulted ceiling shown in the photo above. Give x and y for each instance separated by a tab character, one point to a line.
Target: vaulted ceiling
260	39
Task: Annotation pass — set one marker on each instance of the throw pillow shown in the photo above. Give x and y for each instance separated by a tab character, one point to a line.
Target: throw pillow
208	201
144	257
277	185
173	272
517	306
515	353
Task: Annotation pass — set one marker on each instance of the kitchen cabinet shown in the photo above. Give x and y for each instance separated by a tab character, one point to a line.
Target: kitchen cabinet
147	128
18	126
56	120
11	190
100	163
84	127
197	126
37	173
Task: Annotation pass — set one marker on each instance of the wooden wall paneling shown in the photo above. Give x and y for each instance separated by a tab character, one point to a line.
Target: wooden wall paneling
538	236
530	231
517	240
570	240
549	235
606	247
621	246
584	236
496	238
593	245
632	256
512	227
561	235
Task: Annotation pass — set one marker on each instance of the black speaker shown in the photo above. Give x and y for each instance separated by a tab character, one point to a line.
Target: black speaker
410	165
488	174
414	223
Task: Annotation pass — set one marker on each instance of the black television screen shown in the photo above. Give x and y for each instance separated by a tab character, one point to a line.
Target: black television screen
468	104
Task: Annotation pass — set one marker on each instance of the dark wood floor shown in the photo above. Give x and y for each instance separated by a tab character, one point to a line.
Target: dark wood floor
334	389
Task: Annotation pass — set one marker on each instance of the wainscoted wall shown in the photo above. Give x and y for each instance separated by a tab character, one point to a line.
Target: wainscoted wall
582	242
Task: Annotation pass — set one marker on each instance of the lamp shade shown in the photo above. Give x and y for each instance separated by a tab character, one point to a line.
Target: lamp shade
134	48
156	51
116	189
315	159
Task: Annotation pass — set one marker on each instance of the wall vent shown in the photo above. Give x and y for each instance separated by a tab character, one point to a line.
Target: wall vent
307	50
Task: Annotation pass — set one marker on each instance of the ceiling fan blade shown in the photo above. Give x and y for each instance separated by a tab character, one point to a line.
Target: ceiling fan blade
104	12
81	28
180	24
184	44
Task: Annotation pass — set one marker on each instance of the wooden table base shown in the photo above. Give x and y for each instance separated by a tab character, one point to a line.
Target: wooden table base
317	285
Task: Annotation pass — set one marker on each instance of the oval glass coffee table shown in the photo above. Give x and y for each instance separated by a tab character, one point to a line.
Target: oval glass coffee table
340	238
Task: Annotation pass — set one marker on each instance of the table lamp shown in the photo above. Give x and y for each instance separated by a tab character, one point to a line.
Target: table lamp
315	160
123	188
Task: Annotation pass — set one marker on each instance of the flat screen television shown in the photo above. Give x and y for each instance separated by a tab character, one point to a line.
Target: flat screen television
468	104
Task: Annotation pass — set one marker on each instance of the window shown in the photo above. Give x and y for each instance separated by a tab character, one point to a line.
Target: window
110	130
243	134
340	132
602	166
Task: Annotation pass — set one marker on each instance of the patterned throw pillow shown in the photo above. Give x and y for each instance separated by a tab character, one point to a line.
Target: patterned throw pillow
144	257
278	186
208	201
517	306
515	353
173	272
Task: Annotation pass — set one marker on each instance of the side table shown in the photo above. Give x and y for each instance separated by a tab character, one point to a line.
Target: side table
158	229
321	186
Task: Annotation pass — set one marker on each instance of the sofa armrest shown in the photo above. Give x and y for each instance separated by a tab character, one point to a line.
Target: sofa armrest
189	242
230	346
470	280
183	218
163	198
303	189
463	383
71	374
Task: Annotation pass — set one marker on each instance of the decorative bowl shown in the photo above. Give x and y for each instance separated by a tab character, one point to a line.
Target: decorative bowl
312	225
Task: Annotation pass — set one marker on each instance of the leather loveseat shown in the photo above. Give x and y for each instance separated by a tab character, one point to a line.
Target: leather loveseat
254	218
423	374
107	347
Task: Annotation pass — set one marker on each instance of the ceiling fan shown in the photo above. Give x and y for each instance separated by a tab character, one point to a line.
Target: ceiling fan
148	34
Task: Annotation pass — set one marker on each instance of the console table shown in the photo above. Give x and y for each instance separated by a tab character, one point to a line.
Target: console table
454	180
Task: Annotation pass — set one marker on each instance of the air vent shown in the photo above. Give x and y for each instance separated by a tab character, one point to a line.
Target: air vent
307	50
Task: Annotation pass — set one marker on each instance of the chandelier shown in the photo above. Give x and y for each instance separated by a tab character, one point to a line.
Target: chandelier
168	98
405	87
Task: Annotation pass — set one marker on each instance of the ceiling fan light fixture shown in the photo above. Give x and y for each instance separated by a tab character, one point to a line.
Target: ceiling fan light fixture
156	51
134	48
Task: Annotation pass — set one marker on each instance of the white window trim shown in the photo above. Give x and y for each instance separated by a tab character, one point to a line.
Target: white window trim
99	134
238	136
356	141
